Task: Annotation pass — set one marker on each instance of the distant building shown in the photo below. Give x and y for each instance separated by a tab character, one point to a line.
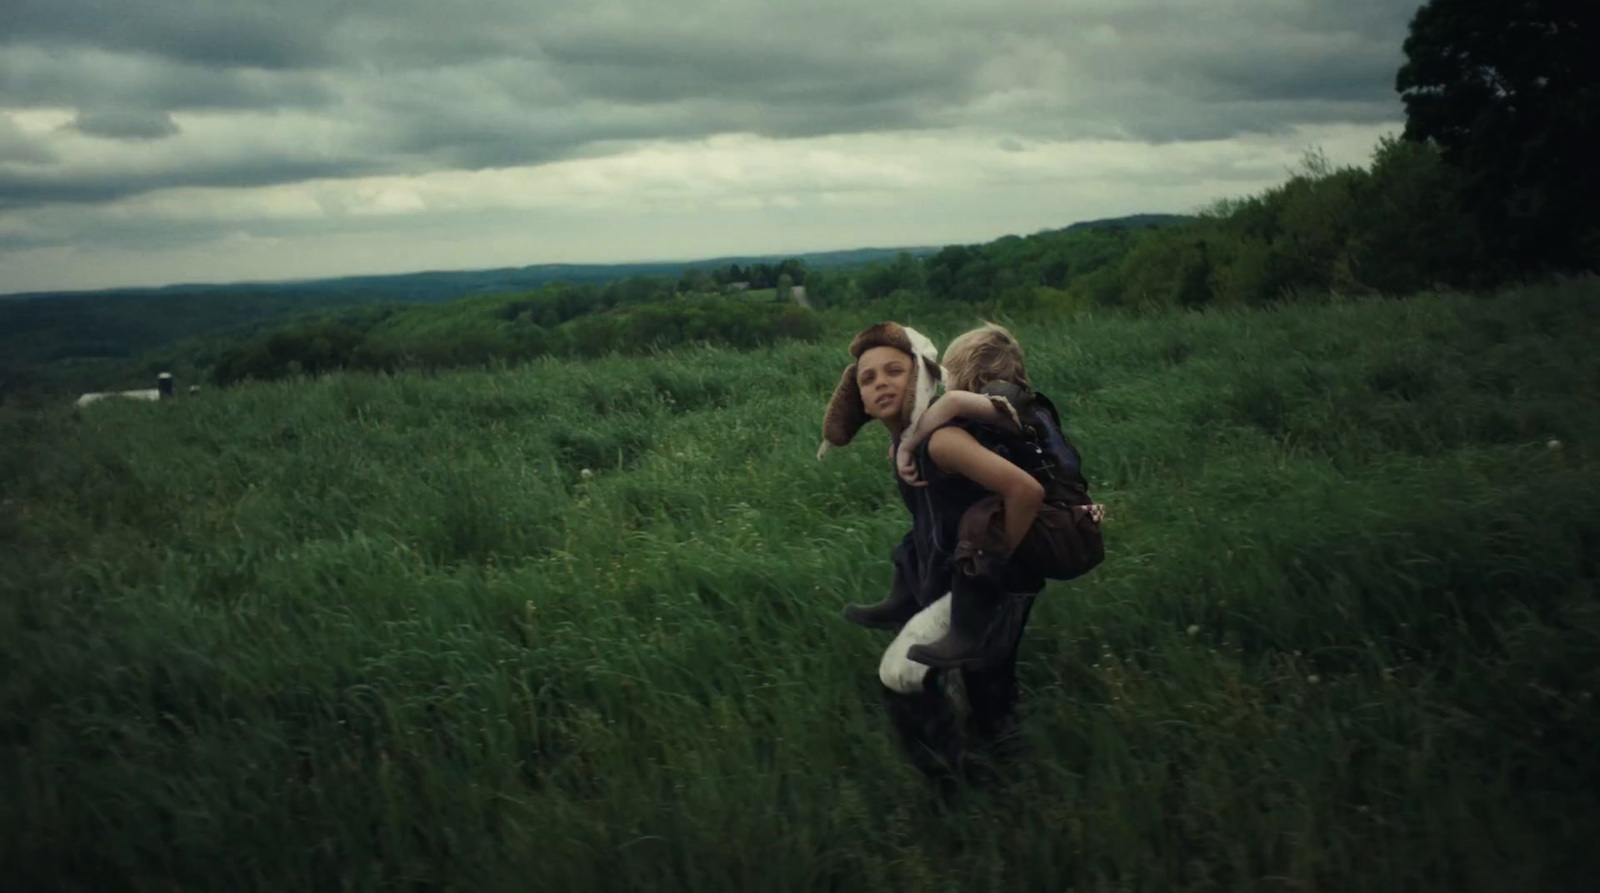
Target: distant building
738	286
162	391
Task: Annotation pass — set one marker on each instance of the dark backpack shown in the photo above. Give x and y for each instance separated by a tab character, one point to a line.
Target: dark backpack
1065	542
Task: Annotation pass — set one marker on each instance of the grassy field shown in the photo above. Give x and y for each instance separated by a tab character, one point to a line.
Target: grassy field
576	627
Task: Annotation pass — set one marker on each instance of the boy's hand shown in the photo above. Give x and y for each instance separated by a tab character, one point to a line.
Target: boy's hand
905	463
943	410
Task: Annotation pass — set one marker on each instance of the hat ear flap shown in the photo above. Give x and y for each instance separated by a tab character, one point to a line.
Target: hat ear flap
926	376
846	413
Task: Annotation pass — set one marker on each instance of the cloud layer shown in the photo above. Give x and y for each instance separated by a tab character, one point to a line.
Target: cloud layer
104	104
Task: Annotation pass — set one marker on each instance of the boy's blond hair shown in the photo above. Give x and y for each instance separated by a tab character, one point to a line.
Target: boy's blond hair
985	354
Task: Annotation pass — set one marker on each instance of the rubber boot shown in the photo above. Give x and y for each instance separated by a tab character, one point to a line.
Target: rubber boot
891	613
901	603
974	610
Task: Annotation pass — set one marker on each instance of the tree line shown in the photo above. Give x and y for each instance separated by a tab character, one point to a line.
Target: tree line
1402	224
756	276
554	321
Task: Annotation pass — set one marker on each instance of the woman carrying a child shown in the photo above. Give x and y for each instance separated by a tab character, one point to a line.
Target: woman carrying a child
959	602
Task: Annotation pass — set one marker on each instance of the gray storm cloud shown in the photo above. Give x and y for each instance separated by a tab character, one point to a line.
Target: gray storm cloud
83	75
19	148
415	86
125	124
209	33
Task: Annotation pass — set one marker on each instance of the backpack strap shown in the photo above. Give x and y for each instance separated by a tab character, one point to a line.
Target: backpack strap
1047	405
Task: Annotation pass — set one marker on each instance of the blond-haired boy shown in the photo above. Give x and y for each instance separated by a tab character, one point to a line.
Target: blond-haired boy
975	359
988	384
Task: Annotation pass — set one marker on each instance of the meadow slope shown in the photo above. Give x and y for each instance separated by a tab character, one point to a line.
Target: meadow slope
575	626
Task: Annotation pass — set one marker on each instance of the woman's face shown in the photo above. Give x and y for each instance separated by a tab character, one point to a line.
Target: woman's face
883	374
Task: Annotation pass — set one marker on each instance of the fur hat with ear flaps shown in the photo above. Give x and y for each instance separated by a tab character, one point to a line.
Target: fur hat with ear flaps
846	413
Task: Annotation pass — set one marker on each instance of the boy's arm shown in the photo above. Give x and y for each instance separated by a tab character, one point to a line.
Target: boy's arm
950	406
964	405
990	410
940	412
957	452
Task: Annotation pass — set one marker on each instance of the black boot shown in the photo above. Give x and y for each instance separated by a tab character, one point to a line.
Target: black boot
891	613
975	612
901	603
928	731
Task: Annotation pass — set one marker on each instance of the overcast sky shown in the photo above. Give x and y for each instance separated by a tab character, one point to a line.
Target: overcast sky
145	142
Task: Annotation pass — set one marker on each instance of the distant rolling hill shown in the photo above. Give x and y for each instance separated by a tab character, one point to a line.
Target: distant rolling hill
51	341
59	341
445	285
1132	221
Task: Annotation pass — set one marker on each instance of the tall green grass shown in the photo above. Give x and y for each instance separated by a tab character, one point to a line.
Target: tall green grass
576	626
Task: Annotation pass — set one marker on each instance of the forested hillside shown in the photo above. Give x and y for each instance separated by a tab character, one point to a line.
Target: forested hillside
1396	226
63	344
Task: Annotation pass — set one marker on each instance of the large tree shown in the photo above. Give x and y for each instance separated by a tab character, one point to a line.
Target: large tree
1509	90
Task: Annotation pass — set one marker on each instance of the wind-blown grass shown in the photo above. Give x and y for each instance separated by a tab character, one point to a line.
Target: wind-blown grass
575	626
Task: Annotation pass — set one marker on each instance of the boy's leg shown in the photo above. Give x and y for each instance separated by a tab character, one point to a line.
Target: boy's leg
986	579
976	606
1062	543
975	589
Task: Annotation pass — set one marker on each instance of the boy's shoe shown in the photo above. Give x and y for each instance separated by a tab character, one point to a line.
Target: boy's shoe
974	611
900	605
891	613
